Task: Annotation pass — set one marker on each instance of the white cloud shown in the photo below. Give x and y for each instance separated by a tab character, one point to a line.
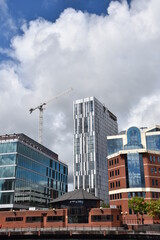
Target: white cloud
7	24
114	57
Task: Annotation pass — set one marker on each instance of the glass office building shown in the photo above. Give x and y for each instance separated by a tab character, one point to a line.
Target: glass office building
93	122
30	174
134	166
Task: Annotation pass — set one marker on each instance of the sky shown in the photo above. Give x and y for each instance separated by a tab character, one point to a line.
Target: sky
102	48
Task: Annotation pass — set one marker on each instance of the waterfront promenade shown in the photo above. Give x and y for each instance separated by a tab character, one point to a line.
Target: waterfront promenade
79	233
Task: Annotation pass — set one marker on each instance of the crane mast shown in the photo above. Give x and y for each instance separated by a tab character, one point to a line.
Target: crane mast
41	108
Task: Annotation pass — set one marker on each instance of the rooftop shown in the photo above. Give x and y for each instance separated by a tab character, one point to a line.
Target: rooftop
29	141
80	194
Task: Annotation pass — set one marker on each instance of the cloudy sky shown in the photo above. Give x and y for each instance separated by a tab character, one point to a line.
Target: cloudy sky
103	48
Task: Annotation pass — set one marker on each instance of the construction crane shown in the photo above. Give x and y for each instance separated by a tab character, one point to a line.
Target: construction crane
41	108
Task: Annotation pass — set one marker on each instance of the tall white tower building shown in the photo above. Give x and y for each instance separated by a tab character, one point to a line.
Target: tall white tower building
93	122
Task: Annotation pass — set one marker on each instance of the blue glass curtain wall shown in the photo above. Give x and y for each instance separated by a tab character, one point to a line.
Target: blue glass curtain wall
7	171
8	147
114	145
135	170
8	159
153	142
37	178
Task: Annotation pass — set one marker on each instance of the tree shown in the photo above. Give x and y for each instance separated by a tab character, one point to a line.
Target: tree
153	208
138	205
104	205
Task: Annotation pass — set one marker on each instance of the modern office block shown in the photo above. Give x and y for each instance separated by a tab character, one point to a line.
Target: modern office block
133	167
30	174
93	122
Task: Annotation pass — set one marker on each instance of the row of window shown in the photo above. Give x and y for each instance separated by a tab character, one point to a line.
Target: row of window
112	162
136	194
114	173
116	196
36	219
102	218
154	158
115	184
155	195
155	170
154	182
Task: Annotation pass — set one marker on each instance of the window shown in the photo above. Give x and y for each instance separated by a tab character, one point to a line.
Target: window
158	159
151	170
116	172
110	185
113	184
153	142
135	170
117	160
143	194
34	219
156	182
150	158
129	195
152	182
155	170
55	219
15	219
154	159
130	211
114	145
102	218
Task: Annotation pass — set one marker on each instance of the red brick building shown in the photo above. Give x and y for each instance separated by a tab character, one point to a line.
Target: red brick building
133	168
73	209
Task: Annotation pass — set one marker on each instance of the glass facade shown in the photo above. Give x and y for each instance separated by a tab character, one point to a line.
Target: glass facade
135	142
92	123
28	177
133	139
135	170
114	145
153	142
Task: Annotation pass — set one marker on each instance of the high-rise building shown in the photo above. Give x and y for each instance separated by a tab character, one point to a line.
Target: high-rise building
93	122
133	167
30	174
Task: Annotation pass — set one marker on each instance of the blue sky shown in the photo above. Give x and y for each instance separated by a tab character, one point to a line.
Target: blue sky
20	10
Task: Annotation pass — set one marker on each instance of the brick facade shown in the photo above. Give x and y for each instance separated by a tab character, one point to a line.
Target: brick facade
58	218
117	181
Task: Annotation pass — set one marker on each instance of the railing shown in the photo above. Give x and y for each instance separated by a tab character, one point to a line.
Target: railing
63	229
